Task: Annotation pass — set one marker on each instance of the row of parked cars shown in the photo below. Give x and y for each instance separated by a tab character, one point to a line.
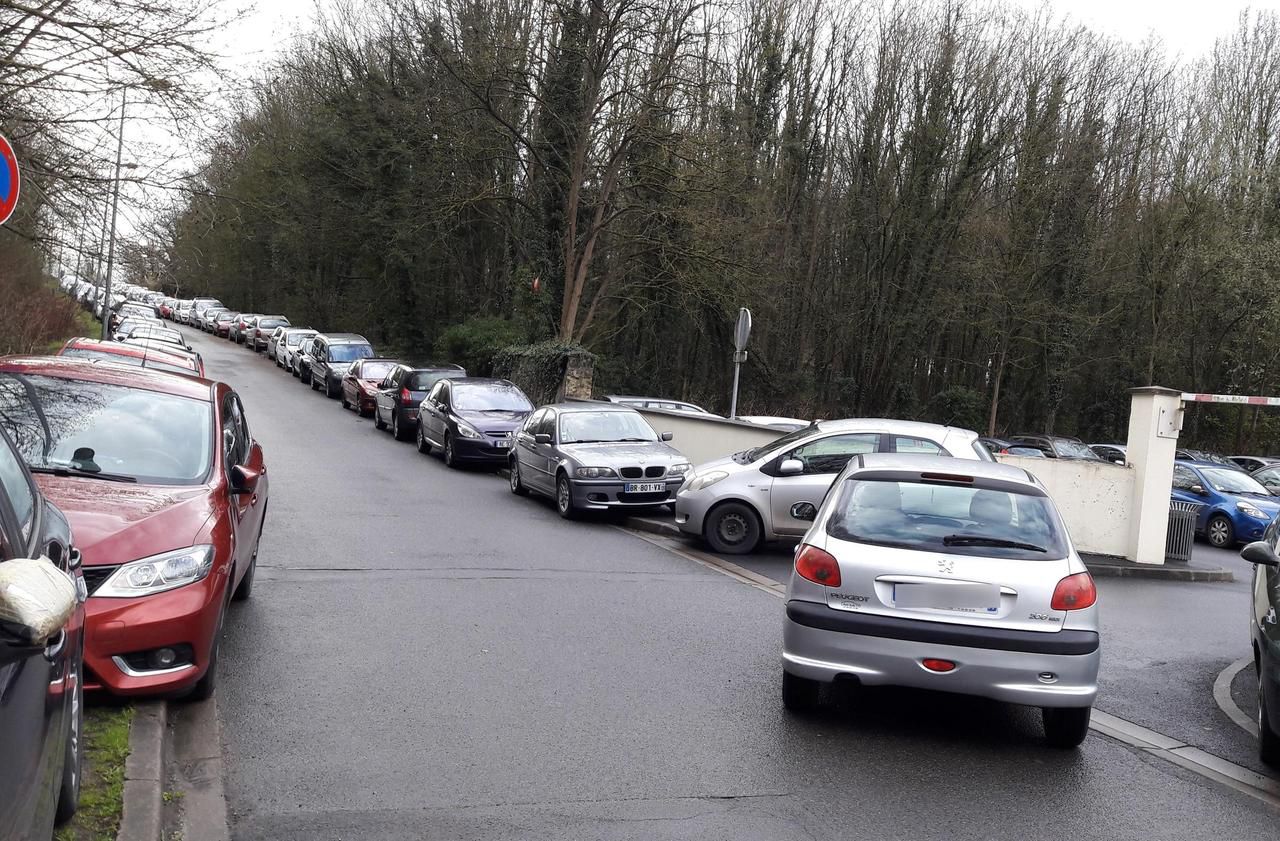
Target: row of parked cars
132	500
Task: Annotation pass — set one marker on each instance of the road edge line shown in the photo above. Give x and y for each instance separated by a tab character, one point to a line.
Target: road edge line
1222	696
142	806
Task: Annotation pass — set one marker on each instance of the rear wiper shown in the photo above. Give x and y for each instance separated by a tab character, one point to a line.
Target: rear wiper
979	540
89	474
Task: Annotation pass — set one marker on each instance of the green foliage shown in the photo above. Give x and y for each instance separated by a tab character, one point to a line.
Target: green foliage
106	737
958	406
538	368
476	343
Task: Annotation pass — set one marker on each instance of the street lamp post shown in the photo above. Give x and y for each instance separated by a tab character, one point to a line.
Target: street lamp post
115	203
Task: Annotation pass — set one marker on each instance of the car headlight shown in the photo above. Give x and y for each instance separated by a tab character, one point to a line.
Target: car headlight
1252	510
158	573
595	473
705	480
679	469
466	430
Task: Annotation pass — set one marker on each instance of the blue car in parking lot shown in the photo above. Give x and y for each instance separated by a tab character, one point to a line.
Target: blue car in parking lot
1235	508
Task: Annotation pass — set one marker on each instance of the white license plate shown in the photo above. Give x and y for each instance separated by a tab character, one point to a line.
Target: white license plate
645	487
502	443
958	596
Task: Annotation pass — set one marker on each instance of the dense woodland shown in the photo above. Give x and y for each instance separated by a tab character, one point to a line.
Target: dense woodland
951	211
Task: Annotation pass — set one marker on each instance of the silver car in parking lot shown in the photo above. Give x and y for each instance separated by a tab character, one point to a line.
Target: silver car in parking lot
594	457
941	574
736	503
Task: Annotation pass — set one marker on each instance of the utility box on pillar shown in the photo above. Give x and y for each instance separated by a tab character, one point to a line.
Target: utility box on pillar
1155	420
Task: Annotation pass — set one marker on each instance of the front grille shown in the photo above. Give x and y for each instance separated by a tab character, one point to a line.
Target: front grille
654	498
94	576
630	472
655	472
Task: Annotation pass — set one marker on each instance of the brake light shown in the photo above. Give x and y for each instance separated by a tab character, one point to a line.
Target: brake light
817	566
1075	592
933	664
405	396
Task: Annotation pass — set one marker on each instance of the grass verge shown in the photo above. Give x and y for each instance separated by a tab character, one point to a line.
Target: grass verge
85	325
106	735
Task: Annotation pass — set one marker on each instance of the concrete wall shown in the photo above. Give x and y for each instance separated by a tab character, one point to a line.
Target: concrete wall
703	438
1095	500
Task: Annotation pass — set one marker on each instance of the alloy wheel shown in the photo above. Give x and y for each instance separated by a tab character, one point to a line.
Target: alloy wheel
1219	532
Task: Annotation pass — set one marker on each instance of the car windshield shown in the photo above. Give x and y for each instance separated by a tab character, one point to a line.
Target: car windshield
295	339
1074	449
581	427
493	397
1230	481
424	380
112	431
375	370
121	359
951	519
778	444
349	352
228	316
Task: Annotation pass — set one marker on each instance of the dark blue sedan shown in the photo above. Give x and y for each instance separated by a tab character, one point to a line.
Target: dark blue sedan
1235	507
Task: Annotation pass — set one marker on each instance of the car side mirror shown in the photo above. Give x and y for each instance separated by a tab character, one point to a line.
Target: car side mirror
1260	552
542	438
667	436
244	480
804	511
36	600
1198	489
791	467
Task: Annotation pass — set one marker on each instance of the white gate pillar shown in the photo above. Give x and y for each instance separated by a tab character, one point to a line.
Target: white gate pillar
1155	419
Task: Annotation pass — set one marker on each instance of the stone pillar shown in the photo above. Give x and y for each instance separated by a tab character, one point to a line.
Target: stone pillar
579	368
1155	419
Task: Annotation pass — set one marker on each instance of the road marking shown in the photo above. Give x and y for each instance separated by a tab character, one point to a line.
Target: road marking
1222	695
1236	777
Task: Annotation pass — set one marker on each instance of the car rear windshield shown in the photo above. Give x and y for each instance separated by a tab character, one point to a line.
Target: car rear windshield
294	339
268	323
424	380
593	427
947	518
95	428
349	352
492	397
375	370
121	359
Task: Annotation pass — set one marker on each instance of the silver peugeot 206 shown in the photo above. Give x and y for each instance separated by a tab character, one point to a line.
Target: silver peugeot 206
943	574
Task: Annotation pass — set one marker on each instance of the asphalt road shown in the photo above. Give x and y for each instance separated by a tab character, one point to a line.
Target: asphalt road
427	656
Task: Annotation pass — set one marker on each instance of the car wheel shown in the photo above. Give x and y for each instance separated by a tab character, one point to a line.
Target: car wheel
733	528
1066	727
245	590
379	423
397	432
517	486
329	390
564	498
424	446
1220	532
69	792
450	457
1268	739
799	694
203	690
315	386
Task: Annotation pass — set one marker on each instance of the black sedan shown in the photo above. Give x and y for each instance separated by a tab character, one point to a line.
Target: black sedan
1264	628
471	420
41	671
402	391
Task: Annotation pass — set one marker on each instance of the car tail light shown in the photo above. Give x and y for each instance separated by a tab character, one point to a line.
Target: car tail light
1075	592
818	566
405	396
935	665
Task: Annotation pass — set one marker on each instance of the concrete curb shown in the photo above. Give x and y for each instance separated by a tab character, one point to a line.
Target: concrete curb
1118	568
142	818
652	526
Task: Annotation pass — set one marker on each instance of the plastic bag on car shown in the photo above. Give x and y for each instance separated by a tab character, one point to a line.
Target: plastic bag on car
36	598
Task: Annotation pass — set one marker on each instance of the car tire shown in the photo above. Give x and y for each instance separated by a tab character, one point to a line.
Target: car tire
450	457
329	390
311	381
564	498
73	763
245	590
799	694
424	446
1066	727
205	686
517	486
397	431
733	528
378	423
1268	739
1219	532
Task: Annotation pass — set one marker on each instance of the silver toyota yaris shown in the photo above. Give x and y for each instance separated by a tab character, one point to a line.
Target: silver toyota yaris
943	574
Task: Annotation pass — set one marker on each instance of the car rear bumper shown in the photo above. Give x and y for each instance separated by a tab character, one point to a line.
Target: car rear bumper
1050	669
601	495
118	627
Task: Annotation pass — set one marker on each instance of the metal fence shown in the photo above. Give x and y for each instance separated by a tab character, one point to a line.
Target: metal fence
1182	530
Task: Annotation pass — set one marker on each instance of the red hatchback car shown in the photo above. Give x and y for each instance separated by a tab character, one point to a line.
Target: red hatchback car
134	355
166	492
360	383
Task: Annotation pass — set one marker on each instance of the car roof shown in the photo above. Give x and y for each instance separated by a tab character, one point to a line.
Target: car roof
342	338
889	424
135	351
149	379
589	407
369	359
942	464
479	380
1198	462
